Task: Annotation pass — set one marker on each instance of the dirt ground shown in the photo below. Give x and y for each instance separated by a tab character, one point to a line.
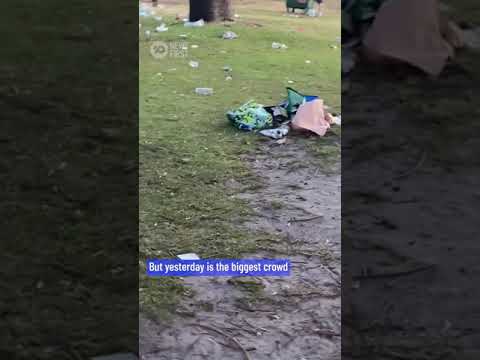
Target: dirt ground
410	184
269	318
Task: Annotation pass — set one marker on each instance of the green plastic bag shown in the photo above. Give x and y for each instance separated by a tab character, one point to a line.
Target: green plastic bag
250	116
295	99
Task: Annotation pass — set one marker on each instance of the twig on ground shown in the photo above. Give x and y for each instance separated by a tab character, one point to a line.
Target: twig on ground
415	168
231	338
308	219
401	272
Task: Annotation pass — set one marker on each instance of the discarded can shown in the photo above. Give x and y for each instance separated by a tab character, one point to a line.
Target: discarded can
275	133
204	91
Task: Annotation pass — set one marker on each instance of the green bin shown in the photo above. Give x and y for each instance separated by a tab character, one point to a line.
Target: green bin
297	4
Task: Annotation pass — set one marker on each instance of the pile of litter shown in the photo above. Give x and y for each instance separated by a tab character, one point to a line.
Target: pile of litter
146	12
304	113
408	31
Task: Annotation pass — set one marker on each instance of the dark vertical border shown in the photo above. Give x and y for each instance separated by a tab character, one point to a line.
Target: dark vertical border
410	180
69	205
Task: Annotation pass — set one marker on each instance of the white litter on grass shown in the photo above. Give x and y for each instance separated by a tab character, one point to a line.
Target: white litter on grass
194	64
161	28
228	78
183	36
275	133
236	16
158	18
229	35
276	45
204	91
308	62
290	81
337	120
189	256
194	46
198	23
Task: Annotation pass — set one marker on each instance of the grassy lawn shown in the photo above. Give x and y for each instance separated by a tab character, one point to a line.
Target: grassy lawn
188	150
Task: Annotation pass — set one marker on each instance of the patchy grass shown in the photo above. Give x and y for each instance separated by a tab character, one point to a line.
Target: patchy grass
188	151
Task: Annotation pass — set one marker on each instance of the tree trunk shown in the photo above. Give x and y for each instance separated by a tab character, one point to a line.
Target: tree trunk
202	9
210	10
225	9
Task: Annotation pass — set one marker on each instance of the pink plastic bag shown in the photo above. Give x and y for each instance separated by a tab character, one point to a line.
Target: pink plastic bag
312	116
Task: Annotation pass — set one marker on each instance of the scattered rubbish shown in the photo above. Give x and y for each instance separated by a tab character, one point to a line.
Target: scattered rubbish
194	46
420	44
229	35
236	16
144	11
333	46
409	31
228	78
275	133
158	18
312	116
184	36
295	99
194	64
172	69
189	256
290	81
471	38
281	141
279	115
161	28
227	69
308	62
276	45
250	116
204	91
298	112
184	47
198	23
158	74
454	35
